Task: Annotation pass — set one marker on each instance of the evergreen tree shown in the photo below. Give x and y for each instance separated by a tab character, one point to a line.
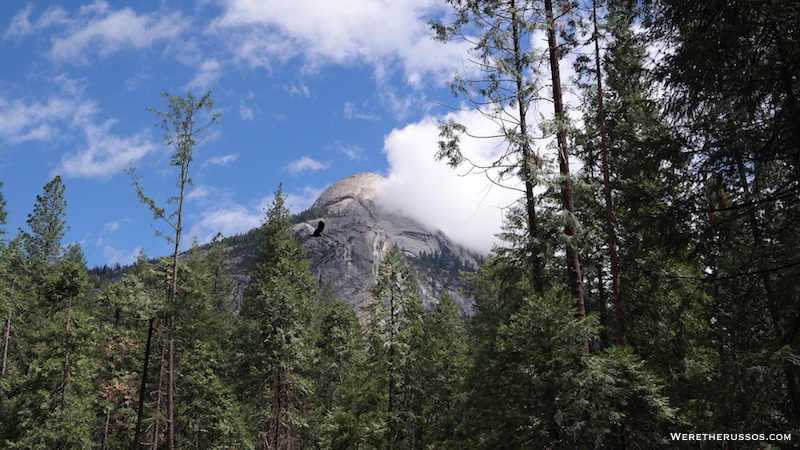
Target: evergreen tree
274	336
3	214
506	89
503	91
395	339
443	368
55	392
128	307
339	373
732	90
531	384
47	225
210	415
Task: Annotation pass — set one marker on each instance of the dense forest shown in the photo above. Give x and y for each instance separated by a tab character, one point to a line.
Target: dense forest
650	292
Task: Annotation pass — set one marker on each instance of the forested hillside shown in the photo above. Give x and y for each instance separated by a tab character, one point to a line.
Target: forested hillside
649	290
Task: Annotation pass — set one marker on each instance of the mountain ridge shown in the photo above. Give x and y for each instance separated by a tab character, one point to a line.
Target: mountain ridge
359	230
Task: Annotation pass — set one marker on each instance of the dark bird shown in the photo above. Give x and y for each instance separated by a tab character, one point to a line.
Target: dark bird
318	231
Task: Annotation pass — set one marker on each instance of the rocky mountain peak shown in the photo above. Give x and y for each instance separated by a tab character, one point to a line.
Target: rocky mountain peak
363	185
358	233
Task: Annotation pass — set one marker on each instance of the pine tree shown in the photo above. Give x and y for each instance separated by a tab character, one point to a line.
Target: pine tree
395	339
503	91
47	225
210	414
275	337
443	368
129	306
339	371
55	391
732	92
3	215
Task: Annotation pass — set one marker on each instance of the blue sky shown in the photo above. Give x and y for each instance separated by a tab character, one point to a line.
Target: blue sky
311	91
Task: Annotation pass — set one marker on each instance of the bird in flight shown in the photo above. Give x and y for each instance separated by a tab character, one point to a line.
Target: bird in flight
318	231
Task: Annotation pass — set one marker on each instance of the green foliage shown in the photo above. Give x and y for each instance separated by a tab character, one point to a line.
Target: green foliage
48	227
308	214
704	192
3	214
274	337
395	339
443	366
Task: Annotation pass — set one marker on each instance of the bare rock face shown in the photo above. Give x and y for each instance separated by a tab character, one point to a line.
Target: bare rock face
358	233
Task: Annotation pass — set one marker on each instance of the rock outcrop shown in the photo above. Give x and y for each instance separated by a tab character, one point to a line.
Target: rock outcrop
358	233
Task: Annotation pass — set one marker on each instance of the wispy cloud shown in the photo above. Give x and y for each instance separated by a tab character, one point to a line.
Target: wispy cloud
97	28
305	164
246	111
299	90
22	120
105	153
209	73
298	202
198	192
117	256
353	152
109	228
228	220
21	25
352	112
66	114
221	160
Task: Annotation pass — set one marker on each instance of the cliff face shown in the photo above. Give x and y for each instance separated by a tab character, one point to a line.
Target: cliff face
358	233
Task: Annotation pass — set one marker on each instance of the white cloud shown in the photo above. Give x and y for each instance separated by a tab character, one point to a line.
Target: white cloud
467	207
105	153
353	152
109	228
57	118
99	28
302	201
209	73
351	112
228	220
299	90
221	160
114	256
305	164
377	32
245	111
21	25
112	226
21	121
199	192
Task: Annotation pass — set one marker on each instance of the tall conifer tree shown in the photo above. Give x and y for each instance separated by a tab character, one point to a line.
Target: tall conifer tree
275	337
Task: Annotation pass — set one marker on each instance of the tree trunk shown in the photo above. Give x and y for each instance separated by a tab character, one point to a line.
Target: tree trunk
391	381
791	371
6	342
171	325
171	393
156	418
611	234
574	276
527	157
67	344
143	387
104	443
